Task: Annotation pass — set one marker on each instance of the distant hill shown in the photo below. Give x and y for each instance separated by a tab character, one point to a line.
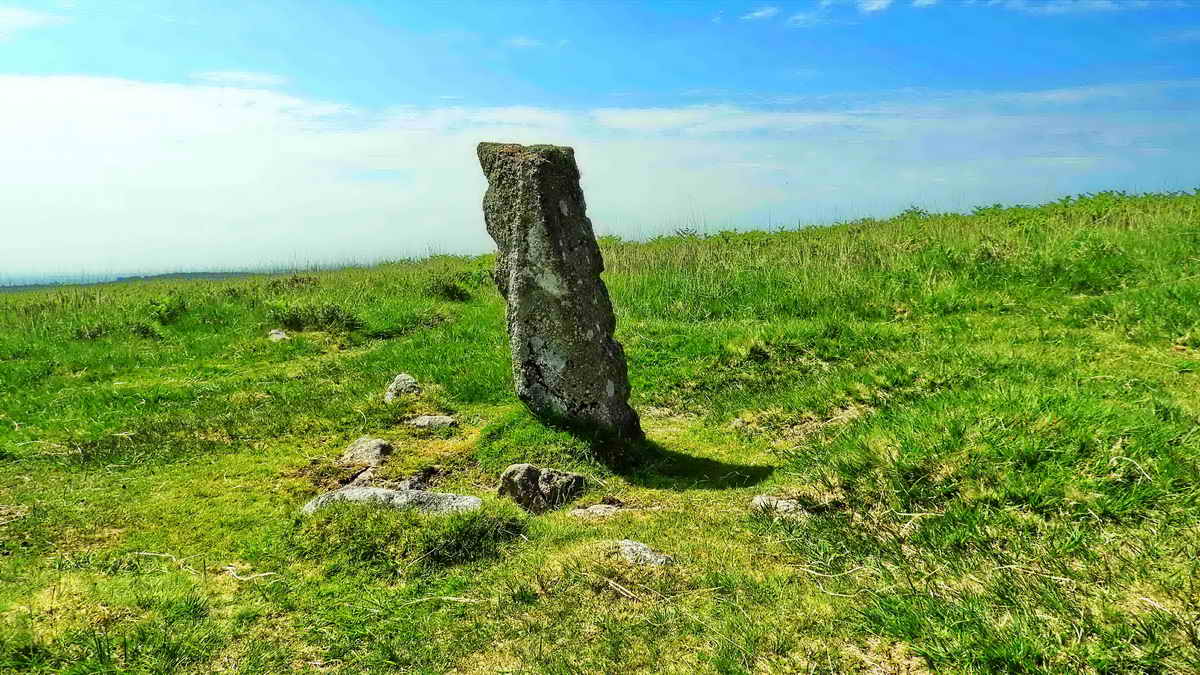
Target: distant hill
209	276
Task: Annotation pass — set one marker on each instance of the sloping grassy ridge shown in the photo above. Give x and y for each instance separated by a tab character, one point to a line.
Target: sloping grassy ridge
992	420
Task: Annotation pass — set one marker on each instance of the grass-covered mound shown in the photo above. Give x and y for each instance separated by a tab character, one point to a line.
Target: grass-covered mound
991	420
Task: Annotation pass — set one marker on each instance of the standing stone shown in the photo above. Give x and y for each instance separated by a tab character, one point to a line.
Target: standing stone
566	364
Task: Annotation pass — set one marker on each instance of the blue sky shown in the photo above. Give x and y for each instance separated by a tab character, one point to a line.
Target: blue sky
160	135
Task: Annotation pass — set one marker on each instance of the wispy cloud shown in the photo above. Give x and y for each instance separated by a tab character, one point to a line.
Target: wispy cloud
241	78
1056	7
1037	7
760	14
523	42
1184	35
711	119
808	19
1085	94
15	19
873	5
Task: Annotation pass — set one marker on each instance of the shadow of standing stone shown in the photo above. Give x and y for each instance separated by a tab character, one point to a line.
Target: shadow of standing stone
567	367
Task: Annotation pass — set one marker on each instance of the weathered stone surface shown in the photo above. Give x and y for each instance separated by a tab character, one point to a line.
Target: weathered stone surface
566	365
637	553
366	451
540	489
595	511
427	502
431	421
277	335
402	384
778	507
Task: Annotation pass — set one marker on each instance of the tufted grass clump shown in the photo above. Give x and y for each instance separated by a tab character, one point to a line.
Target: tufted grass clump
322	316
376	540
447	288
519	437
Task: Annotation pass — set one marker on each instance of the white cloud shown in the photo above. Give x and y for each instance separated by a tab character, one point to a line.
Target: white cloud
1058	7
107	175
761	13
523	42
873	5
239	78
15	19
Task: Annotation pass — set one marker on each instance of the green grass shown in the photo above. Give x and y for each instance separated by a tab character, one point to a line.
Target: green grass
993	421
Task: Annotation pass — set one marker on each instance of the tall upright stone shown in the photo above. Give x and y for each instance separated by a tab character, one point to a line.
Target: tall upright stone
566	364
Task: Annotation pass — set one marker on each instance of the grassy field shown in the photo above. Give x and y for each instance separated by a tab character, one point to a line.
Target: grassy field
993	421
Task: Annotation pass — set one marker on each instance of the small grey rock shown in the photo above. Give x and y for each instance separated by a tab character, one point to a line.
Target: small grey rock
540	489
777	507
402	384
364	477
366	451
277	335
426	502
431	421
595	511
637	553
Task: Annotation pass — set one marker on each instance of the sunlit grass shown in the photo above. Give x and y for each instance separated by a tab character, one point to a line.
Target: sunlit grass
992	421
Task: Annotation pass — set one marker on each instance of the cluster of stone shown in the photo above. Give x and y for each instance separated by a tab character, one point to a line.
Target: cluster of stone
537	489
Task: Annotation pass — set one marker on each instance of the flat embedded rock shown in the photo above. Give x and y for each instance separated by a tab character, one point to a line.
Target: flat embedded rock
366	451
777	506
426	502
431	421
538	489
566	364
637	553
595	511
277	335
401	385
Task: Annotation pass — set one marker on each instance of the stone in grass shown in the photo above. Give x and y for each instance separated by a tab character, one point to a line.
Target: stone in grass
363	478
637	553
277	335
567	367
401	385
595	511
426	502
777	507
431	421
366	451
540	489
